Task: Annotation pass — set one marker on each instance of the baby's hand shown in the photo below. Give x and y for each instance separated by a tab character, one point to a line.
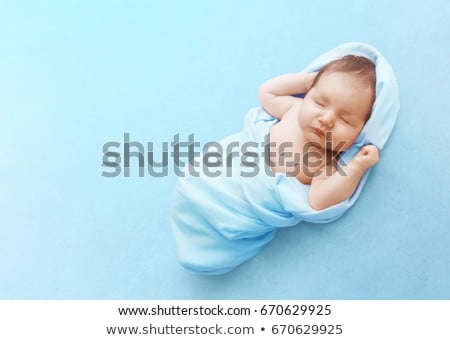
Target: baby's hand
368	156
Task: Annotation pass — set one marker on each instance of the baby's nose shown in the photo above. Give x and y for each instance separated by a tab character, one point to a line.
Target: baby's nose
327	119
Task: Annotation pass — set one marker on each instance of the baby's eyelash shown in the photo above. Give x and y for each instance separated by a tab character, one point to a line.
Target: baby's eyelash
345	121
318	103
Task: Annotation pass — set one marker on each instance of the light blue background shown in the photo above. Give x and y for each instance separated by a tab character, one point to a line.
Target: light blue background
74	76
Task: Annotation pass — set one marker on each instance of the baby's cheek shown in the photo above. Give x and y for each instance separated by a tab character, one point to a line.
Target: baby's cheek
300	119
343	141
303	117
352	132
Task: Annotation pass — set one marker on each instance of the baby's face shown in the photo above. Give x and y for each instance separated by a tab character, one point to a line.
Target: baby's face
337	106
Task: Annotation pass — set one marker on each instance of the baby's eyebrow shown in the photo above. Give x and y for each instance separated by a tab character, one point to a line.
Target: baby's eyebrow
320	96
346	113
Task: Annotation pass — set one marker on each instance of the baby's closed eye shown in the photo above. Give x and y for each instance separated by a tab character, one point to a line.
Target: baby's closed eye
319	103
345	120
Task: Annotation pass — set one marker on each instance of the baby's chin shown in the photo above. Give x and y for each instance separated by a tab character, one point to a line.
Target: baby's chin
339	146
331	145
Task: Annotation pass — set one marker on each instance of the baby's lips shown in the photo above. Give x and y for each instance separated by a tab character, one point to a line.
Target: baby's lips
319	132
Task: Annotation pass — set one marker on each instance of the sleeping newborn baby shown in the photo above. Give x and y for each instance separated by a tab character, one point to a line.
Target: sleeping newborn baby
318	133
327	121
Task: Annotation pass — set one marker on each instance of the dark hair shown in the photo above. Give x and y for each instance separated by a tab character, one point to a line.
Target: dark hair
361	67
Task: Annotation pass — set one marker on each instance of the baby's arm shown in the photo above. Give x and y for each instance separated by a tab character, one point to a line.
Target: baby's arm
276	95
331	188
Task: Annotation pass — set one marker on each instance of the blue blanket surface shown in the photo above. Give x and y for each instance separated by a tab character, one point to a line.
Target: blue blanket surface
220	221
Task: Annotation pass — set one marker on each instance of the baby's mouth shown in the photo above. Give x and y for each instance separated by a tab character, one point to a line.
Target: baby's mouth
319	132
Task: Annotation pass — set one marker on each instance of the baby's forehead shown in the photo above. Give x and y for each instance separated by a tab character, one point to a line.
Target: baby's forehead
337	80
333	75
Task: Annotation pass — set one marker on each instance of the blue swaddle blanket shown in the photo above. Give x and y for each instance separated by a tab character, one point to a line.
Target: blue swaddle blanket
220	221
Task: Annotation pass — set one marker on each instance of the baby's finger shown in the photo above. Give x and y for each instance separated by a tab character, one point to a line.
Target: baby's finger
369	149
